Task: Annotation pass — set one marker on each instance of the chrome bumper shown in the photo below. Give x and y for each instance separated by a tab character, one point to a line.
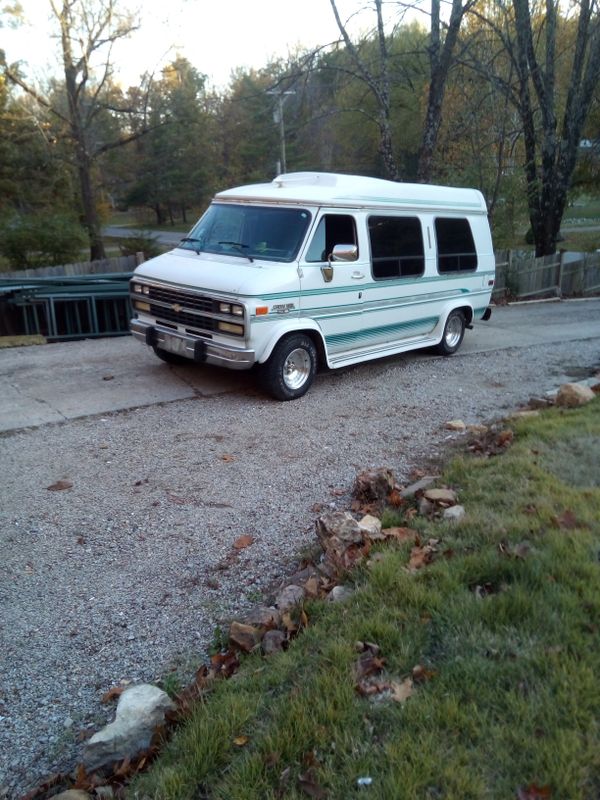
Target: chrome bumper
202	351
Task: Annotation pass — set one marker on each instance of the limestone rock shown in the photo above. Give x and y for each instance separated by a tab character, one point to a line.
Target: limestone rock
339	594
263	617
273	642
140	710
571	395
340	524
373	485
480	429
72	794
245	637
441	496
454	513
425	507
370	525
455	425
527	413
418	486
289	597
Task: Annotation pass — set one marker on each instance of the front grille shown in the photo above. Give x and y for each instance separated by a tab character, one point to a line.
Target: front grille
187	299
183	317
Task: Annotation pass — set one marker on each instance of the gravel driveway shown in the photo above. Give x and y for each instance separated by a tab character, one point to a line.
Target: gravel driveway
124	576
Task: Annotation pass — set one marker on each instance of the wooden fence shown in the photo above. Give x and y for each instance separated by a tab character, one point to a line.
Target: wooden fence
521	276
116	264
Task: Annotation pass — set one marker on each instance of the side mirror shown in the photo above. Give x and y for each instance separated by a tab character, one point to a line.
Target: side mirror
344	252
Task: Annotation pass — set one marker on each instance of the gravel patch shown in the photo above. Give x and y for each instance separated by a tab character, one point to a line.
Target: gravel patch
124	576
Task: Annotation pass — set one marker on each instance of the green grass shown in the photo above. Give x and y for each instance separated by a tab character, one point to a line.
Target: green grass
515	698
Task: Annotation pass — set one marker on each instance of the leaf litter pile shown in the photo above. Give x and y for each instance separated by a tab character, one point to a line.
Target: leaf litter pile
459	659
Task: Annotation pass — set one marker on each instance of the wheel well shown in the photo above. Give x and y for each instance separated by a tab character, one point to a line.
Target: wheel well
468	313
316	339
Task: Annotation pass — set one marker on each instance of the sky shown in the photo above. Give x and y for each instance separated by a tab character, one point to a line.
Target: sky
215	35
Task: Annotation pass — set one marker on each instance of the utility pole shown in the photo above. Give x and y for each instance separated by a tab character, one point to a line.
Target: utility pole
278	118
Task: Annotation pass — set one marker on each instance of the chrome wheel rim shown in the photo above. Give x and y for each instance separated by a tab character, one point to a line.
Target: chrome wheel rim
296	368
453	332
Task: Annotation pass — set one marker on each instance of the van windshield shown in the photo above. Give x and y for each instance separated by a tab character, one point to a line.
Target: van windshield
249	232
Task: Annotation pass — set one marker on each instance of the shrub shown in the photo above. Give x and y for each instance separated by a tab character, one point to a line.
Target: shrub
142	243
41	240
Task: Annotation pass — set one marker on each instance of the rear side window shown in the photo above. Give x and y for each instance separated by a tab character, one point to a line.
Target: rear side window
396	247
456	248
332	229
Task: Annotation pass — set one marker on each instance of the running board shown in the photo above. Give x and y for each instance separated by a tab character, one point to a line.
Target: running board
370	353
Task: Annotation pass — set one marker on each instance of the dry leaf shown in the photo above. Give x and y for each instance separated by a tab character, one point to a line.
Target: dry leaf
533	792
308	783
244	541
400	534
567	521
421	674
304	618
241	741
59	486
227	458
178	501
112	694
400	692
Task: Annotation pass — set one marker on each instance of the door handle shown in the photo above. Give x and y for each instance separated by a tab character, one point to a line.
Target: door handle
357	275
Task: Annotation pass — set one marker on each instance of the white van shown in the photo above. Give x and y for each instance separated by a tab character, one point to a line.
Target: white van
318	269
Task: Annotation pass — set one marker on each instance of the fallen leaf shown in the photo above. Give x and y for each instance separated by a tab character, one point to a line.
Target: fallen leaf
177	500
421	674
304	618
112	694
80	540
533	792
227	458
420	557
504	438
400	692
400	534
395	498
60	486
241	741
567	521
308	783
337	492
244	541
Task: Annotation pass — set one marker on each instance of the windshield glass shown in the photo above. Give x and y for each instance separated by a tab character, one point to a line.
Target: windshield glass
250	232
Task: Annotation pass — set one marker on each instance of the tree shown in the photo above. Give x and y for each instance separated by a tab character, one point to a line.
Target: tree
88	31
556	62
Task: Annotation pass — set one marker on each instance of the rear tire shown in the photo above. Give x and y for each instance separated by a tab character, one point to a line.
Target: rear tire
454	331
290	371
170	358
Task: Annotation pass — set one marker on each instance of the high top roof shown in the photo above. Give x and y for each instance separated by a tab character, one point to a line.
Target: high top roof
354	191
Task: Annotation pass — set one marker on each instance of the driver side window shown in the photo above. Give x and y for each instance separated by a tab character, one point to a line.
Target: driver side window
332	229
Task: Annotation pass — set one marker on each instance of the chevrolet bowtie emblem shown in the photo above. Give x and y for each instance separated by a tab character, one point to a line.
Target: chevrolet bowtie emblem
176	308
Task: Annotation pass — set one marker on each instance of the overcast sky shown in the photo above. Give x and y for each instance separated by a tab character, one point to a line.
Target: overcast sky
215	35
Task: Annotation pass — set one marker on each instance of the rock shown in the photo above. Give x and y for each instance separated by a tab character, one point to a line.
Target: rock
571	395
374	485
454	513
244	637
425	507
455	425
289	597
263	618
339	594
442	496
273	642
418	486
524	414
540	402
140	710
72	794
339	524
370	525
480	429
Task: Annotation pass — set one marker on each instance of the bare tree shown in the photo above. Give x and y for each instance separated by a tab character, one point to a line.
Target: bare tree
88	32
442	47
378	84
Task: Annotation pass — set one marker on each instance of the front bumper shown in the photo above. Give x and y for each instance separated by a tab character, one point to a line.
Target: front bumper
202	351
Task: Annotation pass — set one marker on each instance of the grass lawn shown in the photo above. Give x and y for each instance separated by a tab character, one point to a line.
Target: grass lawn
503	627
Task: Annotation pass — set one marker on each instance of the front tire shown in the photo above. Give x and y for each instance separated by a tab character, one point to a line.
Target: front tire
170	358
290	371
454	331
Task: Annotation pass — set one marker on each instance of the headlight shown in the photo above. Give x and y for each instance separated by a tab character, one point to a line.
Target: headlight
224	308
238	311
228	327
137	288
141	306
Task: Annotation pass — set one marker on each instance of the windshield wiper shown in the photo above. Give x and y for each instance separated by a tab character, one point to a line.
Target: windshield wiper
241	246
191	239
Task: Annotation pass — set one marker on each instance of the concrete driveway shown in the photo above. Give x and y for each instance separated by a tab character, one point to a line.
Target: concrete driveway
57	382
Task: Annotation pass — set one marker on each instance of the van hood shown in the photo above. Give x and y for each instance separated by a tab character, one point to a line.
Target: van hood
216	274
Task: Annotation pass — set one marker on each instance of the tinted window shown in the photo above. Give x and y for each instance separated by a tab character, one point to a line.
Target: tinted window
456	248
332	229
396	247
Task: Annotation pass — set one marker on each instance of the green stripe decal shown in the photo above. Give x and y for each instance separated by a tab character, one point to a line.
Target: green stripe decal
404	329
